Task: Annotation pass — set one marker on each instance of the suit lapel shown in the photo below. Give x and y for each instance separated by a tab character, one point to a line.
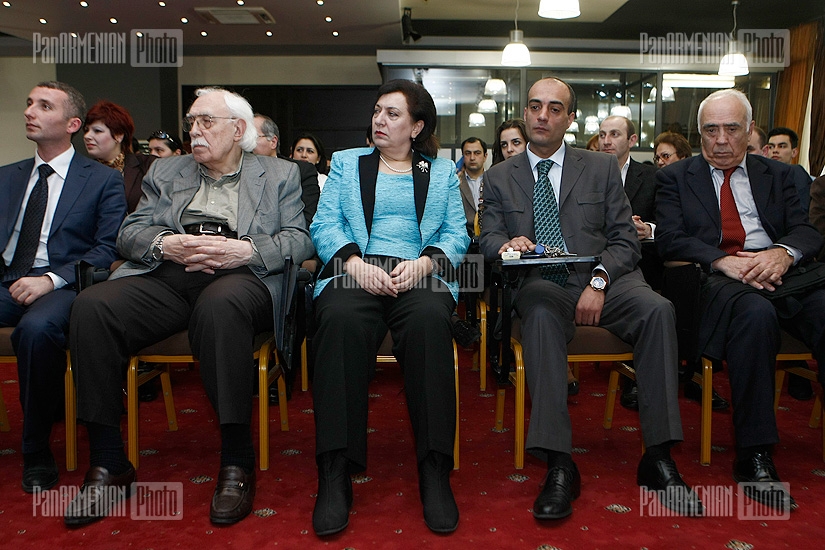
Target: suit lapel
76	179
253	179
632	182
14	192
522	176
184	187
421	183
570	173
466	193
701	184
368	173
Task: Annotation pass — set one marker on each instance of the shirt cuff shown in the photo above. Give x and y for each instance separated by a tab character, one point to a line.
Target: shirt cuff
797	254
57	280
256	260
600	267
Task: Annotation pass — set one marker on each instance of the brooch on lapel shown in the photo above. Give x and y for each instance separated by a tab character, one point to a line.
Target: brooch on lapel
423	166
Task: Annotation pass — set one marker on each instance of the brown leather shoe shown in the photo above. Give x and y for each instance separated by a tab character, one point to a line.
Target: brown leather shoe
233	496
99	494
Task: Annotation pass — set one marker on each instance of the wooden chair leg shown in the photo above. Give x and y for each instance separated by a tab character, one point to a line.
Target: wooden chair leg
779	380
71	416
816	413
168	400
132	412
707	397
500	397
282	402
482	348
519	416
304	366
4	416
456	439
610	407
263	406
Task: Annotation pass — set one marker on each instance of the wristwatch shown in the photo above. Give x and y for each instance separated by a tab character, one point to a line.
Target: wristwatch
598	283
436	267
157	249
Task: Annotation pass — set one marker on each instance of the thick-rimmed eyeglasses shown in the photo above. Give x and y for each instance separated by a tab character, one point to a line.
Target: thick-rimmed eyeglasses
663	157
204	121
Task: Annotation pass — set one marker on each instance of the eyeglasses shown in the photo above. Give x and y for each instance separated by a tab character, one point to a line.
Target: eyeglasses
204	121
663	157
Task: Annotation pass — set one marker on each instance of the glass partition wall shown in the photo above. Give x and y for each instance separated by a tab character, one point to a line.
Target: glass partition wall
474	101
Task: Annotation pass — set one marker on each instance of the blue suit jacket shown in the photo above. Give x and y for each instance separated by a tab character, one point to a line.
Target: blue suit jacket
341	220
91	208
687	209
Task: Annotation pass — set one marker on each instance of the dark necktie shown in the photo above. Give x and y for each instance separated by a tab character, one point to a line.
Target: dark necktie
546	220
733	234
29	238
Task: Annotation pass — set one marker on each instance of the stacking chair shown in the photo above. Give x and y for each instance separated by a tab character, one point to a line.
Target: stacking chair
385	355
589	344
6	356
791	350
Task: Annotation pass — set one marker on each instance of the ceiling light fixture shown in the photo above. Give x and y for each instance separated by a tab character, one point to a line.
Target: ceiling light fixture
7	4
620	110
203	33
734	62
668	94
269	33
487	106
162	4
113	21
495	87
328	19
334	33
43	21
476	120
559	9
184	20
84	4
515	53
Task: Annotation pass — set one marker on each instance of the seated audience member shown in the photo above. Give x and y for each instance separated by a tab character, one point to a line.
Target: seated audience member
108	132
214	270
162	145
474	153
58	207
783	145
511	139
669	148
739	217
389	229
309	148
758	142
545	195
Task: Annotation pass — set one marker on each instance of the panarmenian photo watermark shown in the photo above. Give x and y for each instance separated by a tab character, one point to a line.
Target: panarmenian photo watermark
146	48
726	501
150	500
763	48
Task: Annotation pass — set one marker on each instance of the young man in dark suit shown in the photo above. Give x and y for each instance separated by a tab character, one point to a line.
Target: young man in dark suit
739	217
55	209
593	217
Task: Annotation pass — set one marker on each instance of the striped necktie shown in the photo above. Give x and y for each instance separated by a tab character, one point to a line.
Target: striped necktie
29	238
546	220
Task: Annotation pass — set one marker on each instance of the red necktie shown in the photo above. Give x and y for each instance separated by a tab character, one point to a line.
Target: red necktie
733	234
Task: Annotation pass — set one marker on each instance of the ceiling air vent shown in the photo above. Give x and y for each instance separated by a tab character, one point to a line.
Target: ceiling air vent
236	16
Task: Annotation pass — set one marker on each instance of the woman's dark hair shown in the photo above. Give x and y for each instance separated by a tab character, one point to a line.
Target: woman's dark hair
518	124
116	118
321	165
172	142
421	106
678	142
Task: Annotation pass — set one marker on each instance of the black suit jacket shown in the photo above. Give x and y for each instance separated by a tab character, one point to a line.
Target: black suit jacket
640	188
687	209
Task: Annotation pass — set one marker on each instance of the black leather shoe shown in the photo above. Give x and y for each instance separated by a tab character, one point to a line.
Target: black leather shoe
762	482
799	388
662	477
40	472
562	486
331	513
573	388
440	509
233	497
630	396
693	391
98	494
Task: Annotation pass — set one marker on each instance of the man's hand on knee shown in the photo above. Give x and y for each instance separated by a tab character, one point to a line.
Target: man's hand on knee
26	290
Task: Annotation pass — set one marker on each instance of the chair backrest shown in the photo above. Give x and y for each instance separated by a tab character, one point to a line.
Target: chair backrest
6	349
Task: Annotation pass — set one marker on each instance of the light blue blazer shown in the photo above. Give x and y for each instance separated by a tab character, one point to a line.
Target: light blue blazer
340	227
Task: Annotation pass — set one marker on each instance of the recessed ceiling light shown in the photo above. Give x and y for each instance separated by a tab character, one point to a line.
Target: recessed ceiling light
269	33
43	21
203	33
113	21
84	4
74	35
240	2
334	33
319	2
184	20
328	19
7	4
139	34
162	4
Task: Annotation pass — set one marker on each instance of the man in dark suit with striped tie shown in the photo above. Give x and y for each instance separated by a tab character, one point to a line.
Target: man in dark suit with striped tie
55	209
739	217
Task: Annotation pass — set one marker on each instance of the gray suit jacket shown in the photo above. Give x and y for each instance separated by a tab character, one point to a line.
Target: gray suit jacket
270	212
594	211
468	202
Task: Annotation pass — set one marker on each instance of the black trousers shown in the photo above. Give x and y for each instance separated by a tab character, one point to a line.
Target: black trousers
112	320
350	330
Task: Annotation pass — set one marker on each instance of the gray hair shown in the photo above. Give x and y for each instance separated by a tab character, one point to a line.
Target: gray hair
239	108
721	94
270	130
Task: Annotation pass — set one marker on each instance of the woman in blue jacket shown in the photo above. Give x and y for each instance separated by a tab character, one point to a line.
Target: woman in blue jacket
389	230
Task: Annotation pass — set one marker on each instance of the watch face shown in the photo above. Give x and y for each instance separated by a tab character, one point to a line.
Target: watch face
598	283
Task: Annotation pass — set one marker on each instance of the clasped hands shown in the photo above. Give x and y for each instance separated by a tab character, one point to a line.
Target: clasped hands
376	281
591	302
206	253
761	270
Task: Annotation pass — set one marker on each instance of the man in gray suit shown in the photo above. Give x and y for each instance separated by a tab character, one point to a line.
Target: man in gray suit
205	251
595	219
474	152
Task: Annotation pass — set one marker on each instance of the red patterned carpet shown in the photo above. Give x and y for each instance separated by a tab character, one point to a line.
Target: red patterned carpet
493	497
